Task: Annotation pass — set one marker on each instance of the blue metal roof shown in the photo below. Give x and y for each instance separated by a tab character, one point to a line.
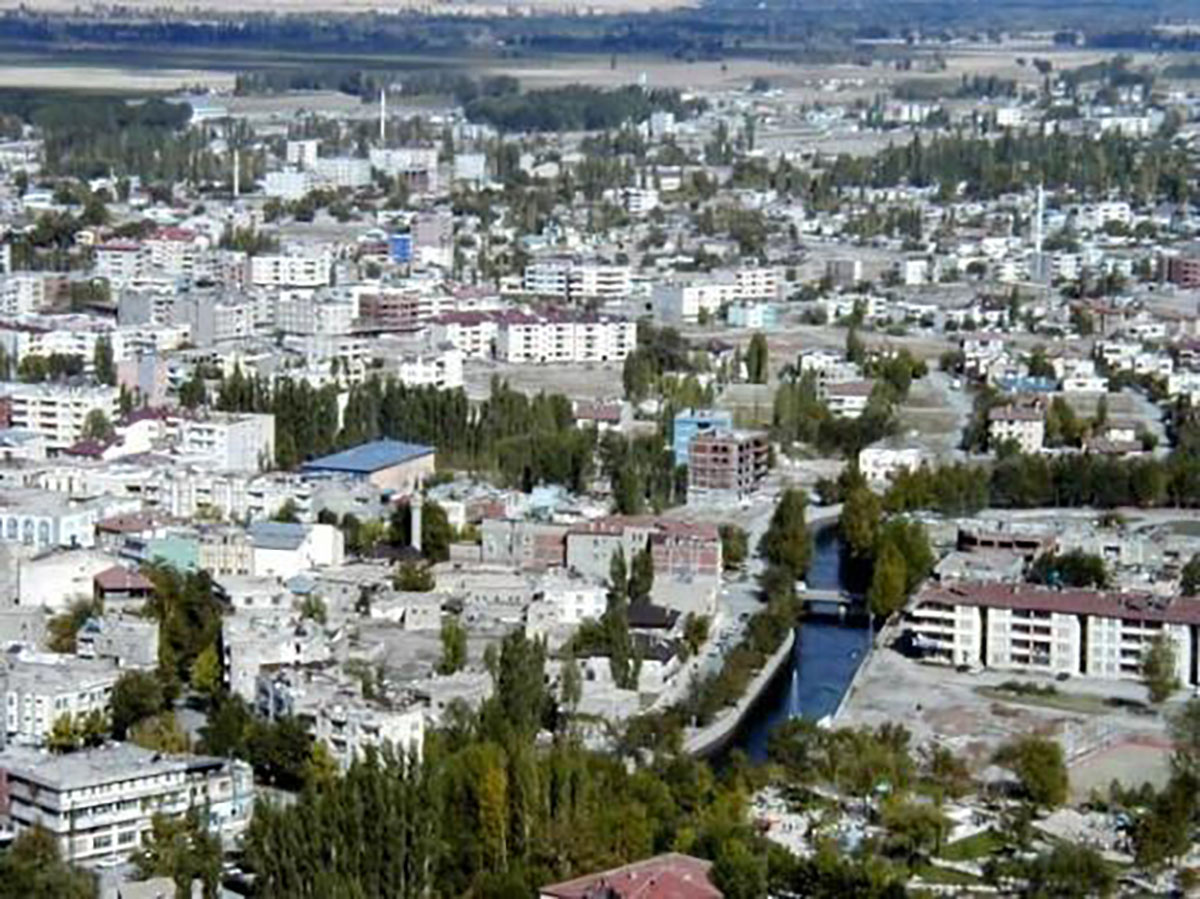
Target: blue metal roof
276	534
369	457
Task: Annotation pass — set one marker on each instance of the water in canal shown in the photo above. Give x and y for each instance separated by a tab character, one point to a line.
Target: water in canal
825	657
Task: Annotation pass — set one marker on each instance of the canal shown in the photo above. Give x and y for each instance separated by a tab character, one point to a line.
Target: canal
826	655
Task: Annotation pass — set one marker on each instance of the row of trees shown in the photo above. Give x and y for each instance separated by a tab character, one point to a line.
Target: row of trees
1022	481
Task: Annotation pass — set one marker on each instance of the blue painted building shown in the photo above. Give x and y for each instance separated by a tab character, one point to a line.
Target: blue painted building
400	247
691	422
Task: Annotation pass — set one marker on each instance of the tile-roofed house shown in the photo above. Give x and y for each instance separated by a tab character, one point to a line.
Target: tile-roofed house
121	583
668	876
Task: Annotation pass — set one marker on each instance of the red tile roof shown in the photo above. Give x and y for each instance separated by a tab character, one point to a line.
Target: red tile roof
119	578
669	876
1133	606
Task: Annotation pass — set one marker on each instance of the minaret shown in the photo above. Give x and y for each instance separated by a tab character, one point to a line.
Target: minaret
237	174
382	117
1038	222
415	506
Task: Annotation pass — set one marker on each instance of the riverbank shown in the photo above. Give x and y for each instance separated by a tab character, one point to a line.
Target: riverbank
713	737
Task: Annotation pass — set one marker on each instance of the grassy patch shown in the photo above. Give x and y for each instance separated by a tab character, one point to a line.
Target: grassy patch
980	845
1066	702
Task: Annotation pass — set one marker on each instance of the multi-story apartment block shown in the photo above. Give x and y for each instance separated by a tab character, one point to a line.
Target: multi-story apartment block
99	804
40	688
304	313
405	309
848	399
1183	270
472	333
1025	425
22	293
568	280
563	338
1027	628
232	441
730	464
58	412
292	270
691	422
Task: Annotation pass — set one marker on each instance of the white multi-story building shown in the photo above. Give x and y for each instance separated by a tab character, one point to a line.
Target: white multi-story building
344	171
302	312
302	153
22	293
40	688
879	464
291	270
1075	632
99	804
564	338
118	262
576	280
1026	426
848	399
441	368
472	333
248	643
232	441
288	185
58	412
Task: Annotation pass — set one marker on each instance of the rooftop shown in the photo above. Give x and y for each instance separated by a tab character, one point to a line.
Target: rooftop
668	876
370	457
111	763
1132	606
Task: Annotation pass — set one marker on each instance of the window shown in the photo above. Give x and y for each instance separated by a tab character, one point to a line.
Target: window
102	842
127	837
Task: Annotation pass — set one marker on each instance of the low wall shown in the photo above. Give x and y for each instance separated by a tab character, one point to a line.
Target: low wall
713	737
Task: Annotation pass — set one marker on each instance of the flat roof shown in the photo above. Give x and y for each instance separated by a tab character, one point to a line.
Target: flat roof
1104	604
370	457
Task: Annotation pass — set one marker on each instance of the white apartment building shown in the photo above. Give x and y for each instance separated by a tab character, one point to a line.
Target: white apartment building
22	293
441	368
118	262
99	804
288	185
303	313
250	643
563	338
291	270
685	299
418	164
574	280
1076	632
471	333
849	399
343	171
879	464
302	153
38	688
58	411
232	441
1026	426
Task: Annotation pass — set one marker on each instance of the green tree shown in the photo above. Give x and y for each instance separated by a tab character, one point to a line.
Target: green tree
193	393
739	872
182	849
436	532
889	581
161	733
98	427
1189	582
33	868
64	736
102	361
454	646
570	682
205	674
288	512
862	513
915	830
757	359
1068	870
734	547
64	627
1158	669
413	577
136	695
787	542
641	577
1040	767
